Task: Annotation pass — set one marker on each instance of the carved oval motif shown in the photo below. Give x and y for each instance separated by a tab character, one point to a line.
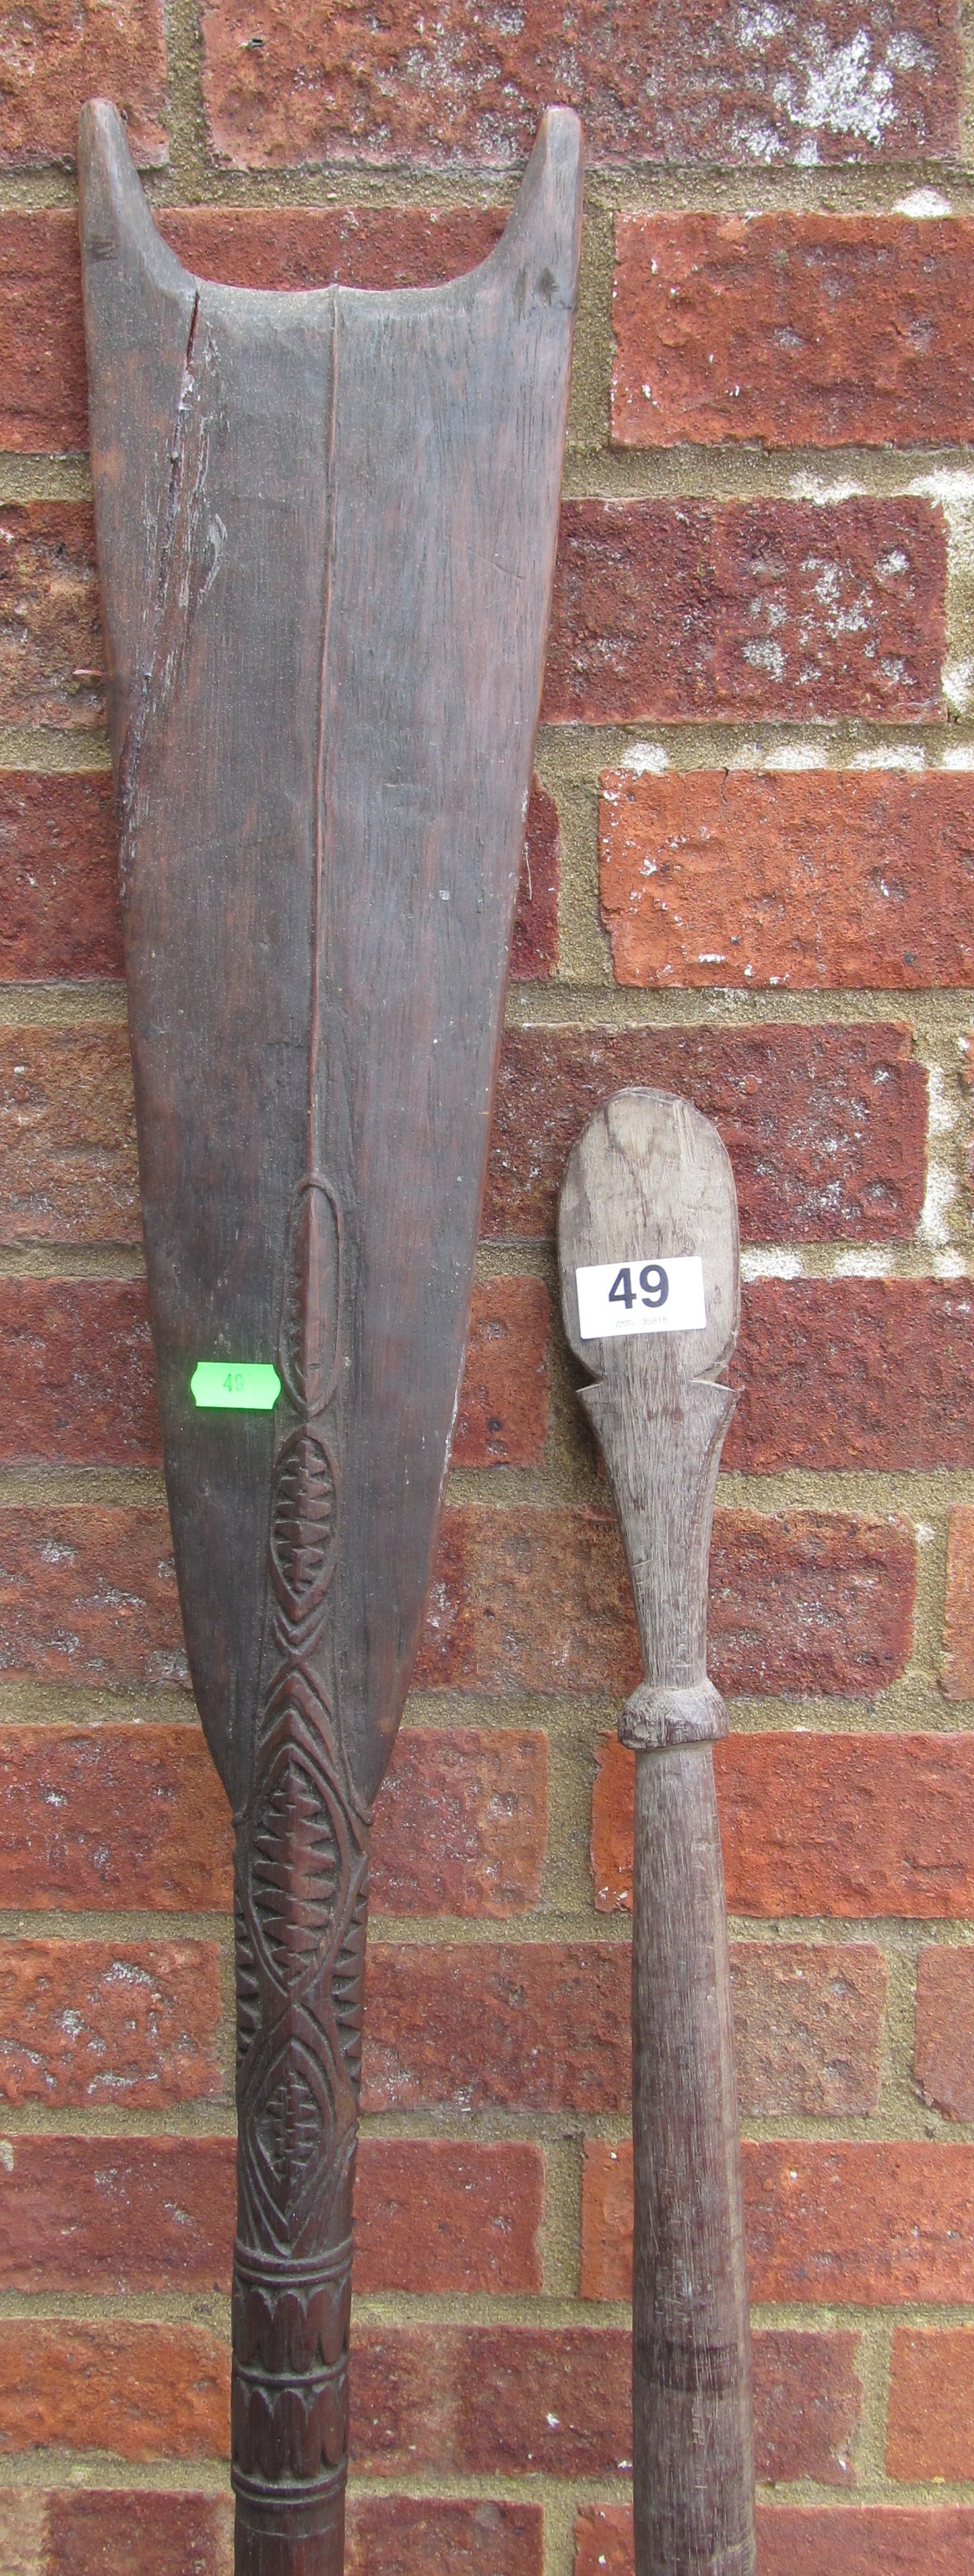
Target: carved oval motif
295	1868
311	1295
288	2128
304	1523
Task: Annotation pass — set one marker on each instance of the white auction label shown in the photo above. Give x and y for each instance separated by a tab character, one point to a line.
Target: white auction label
660	1296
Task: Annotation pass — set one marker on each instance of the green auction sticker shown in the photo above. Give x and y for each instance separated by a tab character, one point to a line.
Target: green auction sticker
250	1386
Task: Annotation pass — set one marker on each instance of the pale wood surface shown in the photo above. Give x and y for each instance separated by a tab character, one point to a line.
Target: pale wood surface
649	1179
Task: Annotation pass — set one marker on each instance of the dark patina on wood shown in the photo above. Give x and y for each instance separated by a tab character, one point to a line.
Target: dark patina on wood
326	528
650	1180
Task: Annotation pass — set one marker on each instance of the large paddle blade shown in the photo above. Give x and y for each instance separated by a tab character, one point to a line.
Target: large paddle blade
326	529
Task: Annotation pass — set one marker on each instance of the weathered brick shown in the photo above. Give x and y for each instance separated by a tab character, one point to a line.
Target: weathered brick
662	611
814	879
136	2214
406	2536
94	1816
50	636
534	946
685	84
798	330
855	2225
808	2027
943	2058
110	2216
79	1380
811	2540
498	2401
502	1416
461	1826
825	1127
67	1137
957	1675
59	879
823	1383
57	55
521	1599
930	2418
154	2531
665	611
539	1600
88	2024
89	1597
134	1816
864	2225
836	1825
153	2391
59	911
79	1383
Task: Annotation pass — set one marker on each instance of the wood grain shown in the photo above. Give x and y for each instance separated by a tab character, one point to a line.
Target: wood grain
326	526
650	1181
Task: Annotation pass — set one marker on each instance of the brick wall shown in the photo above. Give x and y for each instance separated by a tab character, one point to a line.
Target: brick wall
751	877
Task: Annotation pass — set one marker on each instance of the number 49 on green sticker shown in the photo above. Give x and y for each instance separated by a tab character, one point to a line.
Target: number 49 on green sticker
238	1386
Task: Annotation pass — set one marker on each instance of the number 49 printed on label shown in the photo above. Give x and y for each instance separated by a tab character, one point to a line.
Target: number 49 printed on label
664	1295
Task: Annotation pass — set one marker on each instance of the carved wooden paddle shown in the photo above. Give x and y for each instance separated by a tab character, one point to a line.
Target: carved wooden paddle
649	1283
326	530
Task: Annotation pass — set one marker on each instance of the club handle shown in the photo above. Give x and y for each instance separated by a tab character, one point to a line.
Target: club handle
693	2433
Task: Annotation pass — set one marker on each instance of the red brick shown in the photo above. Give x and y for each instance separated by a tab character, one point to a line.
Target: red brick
836	1825
140	2214
154	2391
59	911
872	2540
79	1379
665	611
814	879
943	2059
89	1597
408	2537
461	1826
798	330
94	1816
823	1380
498	2401
116	2216
662	611
825	1127
502	1418
539	1600
811	2540
156	2532
162	2533
957	1676
808	2026
67	1137
853	2225
521	1599
534	947
57	55
134	1816
861	2225
930	2420
89	2024
50	635
686	84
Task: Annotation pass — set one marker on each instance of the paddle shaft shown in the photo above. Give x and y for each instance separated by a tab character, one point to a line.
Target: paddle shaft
693	2452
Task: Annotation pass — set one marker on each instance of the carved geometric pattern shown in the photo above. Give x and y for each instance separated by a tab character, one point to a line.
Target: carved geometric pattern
301	1900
